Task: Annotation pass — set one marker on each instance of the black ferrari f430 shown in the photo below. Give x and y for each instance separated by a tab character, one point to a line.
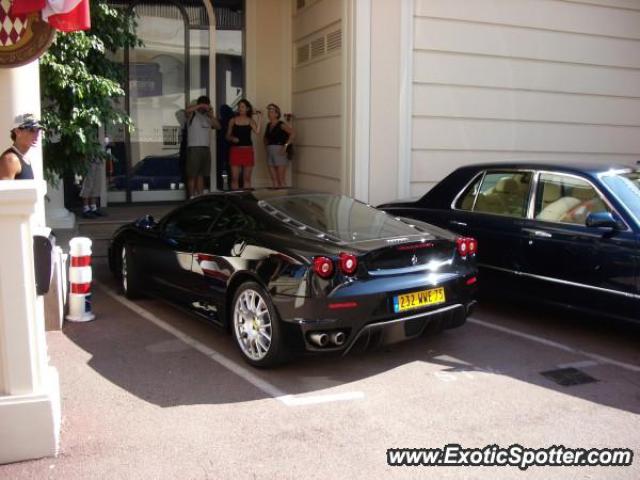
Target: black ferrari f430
288	271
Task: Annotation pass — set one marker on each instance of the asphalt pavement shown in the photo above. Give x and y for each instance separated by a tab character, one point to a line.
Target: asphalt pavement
151	392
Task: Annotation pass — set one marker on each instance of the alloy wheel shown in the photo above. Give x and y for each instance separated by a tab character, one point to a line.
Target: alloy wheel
252	323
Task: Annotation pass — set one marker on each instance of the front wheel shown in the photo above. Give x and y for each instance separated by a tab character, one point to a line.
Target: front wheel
256	327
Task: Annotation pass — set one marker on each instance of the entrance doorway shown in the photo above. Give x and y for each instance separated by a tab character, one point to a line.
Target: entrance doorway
171	69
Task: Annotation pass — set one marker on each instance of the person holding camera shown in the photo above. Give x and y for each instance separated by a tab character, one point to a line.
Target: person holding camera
200	121
241	156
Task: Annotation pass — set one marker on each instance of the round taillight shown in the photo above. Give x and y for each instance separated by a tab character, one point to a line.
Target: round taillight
462	246
472	246
323	267
348	263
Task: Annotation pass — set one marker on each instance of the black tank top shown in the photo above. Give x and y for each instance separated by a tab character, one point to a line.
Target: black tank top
243	132
276	135
26	172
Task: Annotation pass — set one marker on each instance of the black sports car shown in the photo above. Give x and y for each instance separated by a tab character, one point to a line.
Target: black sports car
567	235
287	270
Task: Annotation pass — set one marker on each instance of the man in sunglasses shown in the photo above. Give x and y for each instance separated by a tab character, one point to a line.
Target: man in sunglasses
25	134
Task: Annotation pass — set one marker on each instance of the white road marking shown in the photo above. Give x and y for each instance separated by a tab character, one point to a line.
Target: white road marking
292	400
239	370
560	346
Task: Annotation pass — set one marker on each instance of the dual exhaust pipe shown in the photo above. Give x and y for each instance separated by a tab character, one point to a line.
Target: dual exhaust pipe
324	339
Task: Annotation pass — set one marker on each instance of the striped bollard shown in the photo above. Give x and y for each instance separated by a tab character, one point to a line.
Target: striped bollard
80	280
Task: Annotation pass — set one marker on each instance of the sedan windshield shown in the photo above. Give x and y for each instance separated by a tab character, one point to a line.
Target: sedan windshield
626	186
343	217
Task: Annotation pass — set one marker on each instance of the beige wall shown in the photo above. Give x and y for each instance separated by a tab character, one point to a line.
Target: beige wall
512	79
317	97
268	66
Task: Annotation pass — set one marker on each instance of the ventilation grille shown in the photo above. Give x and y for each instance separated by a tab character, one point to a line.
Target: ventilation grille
319	47
334	41
303	54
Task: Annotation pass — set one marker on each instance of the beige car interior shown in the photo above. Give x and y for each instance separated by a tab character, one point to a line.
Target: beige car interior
580	201
507	197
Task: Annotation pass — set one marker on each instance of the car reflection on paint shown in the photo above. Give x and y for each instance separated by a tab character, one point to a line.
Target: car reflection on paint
290	271
566	235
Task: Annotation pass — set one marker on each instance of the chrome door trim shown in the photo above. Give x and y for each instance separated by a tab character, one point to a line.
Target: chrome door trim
562	282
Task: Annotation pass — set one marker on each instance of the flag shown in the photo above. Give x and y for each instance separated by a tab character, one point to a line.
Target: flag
63	15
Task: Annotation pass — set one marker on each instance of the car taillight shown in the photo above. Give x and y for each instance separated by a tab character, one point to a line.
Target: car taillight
323	266
466	246
348	263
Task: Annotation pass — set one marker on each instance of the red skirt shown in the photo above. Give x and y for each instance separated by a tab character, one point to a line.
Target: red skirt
241	157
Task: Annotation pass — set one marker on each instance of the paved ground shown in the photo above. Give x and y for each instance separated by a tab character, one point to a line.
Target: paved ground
153	393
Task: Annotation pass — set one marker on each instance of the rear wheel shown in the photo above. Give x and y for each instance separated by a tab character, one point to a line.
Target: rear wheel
256	326
129	283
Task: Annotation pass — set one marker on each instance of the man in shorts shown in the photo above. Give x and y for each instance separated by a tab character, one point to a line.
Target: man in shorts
91	187
200	120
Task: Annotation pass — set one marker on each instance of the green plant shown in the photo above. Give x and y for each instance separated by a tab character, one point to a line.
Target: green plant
81	86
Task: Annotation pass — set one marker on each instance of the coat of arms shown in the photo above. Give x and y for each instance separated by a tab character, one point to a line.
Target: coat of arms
23	37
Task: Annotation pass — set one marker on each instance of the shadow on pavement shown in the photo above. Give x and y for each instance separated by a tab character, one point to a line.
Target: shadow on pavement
155	366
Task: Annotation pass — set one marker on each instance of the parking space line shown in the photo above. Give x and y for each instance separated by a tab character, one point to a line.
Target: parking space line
559	346
582	364
239	370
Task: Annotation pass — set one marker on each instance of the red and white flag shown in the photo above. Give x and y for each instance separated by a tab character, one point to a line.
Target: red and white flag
63	15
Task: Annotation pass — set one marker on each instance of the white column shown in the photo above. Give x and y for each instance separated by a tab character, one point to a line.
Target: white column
29	387
17	97
357	72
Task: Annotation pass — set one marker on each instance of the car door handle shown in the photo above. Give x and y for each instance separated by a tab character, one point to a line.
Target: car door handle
537	233
456	222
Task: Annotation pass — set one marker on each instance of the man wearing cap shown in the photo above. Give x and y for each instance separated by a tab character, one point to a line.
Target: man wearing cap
25	134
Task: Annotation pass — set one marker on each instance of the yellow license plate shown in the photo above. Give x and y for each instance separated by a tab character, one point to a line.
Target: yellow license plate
409	301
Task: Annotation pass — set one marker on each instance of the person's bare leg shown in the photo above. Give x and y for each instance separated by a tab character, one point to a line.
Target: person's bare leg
235	176
274	176
191	186
246	177
199	185
281	171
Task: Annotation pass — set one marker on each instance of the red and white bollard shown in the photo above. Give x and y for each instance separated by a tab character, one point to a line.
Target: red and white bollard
80	280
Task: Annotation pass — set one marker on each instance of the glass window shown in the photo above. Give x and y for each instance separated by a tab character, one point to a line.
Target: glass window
341	217
503	193
234	219
566	199
194	219
626	187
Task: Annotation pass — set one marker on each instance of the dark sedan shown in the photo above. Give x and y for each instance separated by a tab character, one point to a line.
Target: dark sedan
289	271
566	235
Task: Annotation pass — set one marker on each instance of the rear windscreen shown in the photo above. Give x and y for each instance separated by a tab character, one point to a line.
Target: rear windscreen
341	217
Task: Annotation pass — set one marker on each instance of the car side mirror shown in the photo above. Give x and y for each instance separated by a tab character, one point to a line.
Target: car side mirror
602	220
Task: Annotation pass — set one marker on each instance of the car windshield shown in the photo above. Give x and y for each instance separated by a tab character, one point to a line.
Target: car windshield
626	186
339	216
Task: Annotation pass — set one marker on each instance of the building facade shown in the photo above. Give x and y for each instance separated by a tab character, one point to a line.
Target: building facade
389	96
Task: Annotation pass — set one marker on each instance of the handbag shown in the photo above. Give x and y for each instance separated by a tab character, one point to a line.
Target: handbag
289	152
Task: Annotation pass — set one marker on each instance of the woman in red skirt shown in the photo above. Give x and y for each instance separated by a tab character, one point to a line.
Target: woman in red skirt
241	156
